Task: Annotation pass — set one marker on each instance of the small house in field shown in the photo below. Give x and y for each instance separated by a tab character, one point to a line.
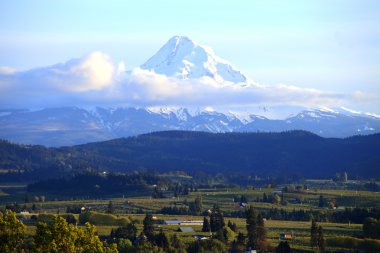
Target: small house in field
186	229
286	236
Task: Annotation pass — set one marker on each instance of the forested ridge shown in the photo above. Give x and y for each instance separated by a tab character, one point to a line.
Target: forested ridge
291	153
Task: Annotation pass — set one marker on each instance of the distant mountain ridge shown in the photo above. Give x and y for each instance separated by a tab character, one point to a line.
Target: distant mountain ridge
274	154
73	125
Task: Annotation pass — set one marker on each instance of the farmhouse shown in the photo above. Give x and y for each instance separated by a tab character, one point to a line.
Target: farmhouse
286	236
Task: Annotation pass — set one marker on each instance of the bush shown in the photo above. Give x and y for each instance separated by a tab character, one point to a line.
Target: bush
354	243
102	219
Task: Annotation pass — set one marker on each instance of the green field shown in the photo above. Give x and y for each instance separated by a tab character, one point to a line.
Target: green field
134	207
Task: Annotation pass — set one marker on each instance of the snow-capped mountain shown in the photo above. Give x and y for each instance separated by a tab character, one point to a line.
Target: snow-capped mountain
179	58
73	125
182	58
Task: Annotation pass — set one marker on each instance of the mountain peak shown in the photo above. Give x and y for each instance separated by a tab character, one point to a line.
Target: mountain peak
179	38
183	58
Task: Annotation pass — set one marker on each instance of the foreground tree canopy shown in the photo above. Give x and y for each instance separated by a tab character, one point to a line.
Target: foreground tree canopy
57	236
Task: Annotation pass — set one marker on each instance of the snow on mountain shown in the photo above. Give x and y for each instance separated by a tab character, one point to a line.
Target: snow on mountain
73	125
373	115
183	58
179	112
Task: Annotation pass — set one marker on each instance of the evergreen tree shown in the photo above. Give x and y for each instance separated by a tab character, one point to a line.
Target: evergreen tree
110	208
261	233
314	234
321	240
126	232
198	205
265	197
251	220
238	245
216	219
148	229
206	225
321	202
256	233
162	241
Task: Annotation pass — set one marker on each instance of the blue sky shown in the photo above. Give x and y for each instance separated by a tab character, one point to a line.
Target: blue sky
328	45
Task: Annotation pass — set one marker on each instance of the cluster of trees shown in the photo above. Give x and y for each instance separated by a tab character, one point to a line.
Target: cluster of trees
148	241
186	208
291	188
179	189
271	198
256	233
57	236
96	184
354	215
294	215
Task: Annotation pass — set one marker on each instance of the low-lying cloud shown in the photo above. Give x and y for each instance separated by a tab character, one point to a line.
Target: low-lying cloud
95	80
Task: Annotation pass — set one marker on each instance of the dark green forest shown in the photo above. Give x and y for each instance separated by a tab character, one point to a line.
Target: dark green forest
294	153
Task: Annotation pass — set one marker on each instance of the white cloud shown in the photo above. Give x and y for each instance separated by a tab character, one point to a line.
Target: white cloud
92	72
7	70
95	80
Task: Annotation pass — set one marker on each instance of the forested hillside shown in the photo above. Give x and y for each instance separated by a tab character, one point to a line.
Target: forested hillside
288	153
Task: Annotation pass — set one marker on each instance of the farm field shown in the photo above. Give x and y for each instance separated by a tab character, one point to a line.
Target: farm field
134	207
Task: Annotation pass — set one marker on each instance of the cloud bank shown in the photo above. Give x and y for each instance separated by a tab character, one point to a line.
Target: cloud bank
95	80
